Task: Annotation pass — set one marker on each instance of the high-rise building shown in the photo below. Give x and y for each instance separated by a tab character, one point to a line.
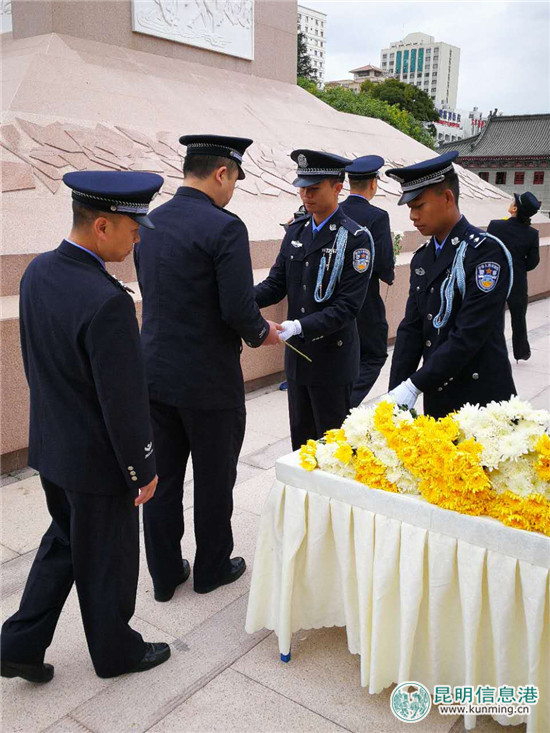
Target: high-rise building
432	66
313	23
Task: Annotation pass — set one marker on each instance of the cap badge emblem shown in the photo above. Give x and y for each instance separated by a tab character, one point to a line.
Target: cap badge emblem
302	161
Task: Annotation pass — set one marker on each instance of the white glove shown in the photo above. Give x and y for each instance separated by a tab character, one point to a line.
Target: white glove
405	394
290	329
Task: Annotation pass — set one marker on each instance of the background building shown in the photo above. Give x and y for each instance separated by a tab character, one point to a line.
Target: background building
312	24
363	73
432	66
512	152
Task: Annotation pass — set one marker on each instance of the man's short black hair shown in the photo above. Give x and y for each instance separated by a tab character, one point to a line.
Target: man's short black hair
360	183
451	183
340	178
84	216
201	166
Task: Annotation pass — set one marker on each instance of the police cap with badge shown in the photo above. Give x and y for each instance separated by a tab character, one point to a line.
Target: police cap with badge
364	168
116	192
414	179
219	146
315	166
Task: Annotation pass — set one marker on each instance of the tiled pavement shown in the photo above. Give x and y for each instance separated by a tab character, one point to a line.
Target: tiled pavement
219	678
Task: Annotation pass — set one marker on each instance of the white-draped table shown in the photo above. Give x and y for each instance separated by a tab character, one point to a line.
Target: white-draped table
425	594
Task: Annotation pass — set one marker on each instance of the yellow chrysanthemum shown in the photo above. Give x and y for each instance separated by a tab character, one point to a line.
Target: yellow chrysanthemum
335	436
307	455
344	452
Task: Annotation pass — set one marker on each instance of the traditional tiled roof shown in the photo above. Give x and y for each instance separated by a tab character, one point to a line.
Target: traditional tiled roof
368	67
507	135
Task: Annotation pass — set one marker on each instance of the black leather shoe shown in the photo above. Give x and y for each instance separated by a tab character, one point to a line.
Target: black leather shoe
238	566
526	356
165	595
29	672
155	654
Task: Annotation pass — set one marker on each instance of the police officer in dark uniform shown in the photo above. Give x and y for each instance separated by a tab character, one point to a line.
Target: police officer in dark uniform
195	276
371	319
454	319
90	435
523	242
323	267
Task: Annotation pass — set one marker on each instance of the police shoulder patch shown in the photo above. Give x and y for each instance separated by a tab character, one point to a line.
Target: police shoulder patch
487	274
361	259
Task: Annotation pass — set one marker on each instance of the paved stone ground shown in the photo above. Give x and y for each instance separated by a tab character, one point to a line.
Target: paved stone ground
219	678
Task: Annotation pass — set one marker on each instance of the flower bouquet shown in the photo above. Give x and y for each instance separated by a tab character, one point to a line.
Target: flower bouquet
492	460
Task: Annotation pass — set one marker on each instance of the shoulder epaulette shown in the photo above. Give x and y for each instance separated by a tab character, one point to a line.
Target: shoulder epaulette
475	237
352	226
226	211
116	281
424	244
299	220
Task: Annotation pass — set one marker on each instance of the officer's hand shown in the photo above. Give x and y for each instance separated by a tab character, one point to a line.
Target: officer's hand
146	492
290	329
273	335
405	394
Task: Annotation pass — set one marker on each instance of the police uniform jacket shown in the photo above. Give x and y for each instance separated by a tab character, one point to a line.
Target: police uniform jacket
89	410
467	359
377	222
329	331
195	276
522	242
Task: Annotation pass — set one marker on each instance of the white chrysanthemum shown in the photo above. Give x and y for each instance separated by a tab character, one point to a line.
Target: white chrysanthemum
358	426
327	461
360	432
519	477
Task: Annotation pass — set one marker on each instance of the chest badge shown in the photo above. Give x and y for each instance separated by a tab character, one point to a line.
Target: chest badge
455	241
295	243
420	271
487	274
361	259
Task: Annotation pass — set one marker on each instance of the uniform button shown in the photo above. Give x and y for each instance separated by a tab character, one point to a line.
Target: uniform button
305	287
428	342
451	379
445	384
339	343
134	478
431	290
475	375
307	263
291	257
418	287
303	310
130	468
429	316
132	473
440	389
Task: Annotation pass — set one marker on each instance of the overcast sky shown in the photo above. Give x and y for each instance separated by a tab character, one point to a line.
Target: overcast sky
504	56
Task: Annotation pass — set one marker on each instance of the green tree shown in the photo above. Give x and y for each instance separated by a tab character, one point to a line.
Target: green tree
345	100
305	69
407	97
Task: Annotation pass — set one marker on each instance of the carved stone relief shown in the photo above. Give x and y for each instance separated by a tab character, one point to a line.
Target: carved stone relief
45	152
225	26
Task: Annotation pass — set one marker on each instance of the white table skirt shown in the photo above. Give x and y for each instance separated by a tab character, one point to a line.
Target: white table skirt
425	594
